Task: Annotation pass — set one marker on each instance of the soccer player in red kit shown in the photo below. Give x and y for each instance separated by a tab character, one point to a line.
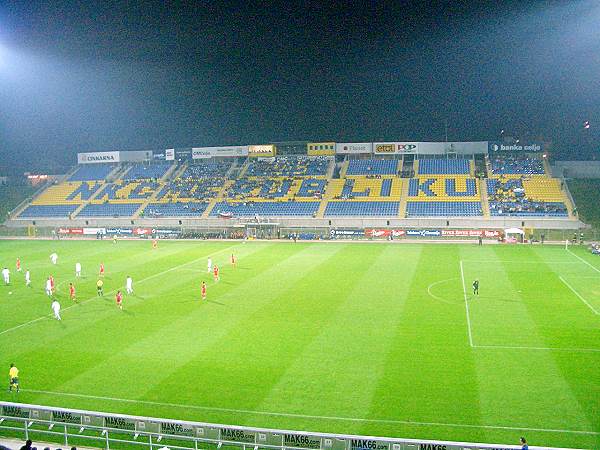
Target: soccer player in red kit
51	278
72	292
18	264
101	269
233	260
216	273
154	243
119	299
203	290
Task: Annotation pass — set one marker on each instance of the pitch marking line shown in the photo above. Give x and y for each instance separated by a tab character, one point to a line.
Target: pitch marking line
462	277
517	261
114	290
437	297
524	347
594	310
584	261
309	416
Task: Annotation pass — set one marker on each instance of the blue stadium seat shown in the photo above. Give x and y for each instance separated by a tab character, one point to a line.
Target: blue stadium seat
510	164
266	209
429	208
200	170
142	171
311	187
109	210
288	166
360	208
179	209
372	167
444	166
48	211
528	209
91	172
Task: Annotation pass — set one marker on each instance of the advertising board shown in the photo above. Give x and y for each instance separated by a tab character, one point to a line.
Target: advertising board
460	148
383	233
88	231
472	233
170	154
98	157
391	148
333	233
354	148
423	233
70	230
320	148
262	151
517	147
214	152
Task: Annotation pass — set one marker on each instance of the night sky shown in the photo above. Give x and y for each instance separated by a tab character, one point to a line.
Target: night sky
91	76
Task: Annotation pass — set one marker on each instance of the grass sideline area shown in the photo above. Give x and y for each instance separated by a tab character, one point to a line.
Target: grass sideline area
369	339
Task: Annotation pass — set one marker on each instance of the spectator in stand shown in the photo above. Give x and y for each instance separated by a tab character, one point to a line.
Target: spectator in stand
523	443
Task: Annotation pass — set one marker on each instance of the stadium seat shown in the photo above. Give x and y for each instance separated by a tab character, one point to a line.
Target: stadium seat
443	166
33	211
109	210
177	209
266	209
289	166
361	208
91	172
372	167
522	165
142	171
446	208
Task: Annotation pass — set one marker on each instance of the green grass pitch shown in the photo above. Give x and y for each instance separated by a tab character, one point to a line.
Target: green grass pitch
361	338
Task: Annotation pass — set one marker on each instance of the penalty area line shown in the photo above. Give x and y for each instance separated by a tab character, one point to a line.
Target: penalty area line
309	416
583	260
525	347
594	310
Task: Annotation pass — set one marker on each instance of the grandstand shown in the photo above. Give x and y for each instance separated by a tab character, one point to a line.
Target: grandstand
337	189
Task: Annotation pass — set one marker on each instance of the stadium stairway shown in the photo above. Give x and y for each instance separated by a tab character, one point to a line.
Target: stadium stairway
209	208
403	199
149	200
547	168
220	197
173	170
118	173
244	168
485	205
321	211
330	170
569	202
344	169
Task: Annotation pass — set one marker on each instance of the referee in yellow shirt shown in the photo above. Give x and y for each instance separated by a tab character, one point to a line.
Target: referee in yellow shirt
13	374
100	288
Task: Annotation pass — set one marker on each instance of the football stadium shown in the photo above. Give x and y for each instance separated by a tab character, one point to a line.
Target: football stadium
325	294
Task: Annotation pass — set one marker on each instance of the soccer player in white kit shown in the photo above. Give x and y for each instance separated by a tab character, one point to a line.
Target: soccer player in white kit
209	265
56	309
48	287
129	285
27	279
54	258
78	269
6	275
